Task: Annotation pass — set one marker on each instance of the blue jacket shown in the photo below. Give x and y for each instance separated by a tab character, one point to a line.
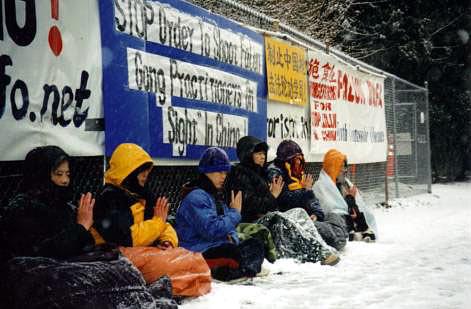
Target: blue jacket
198	225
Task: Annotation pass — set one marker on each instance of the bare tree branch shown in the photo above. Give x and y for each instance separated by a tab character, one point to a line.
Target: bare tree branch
369	2
447	25
358	33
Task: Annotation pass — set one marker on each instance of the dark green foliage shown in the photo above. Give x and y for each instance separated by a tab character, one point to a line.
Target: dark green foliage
421	41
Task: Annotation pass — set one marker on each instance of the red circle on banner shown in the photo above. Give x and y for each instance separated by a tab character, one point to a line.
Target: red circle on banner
55	40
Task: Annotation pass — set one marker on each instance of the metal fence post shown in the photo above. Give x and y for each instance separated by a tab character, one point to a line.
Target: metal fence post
427	128
396	180
386	183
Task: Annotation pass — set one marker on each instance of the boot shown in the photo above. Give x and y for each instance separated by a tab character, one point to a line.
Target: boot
331	260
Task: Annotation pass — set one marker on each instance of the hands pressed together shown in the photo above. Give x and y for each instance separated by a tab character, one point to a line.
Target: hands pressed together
161	211
352	191
161	208
164	245
276	186
85	210
236	201
307	182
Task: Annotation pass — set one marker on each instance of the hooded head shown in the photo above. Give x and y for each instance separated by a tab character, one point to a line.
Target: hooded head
247	146
39	166
126	162
214	165
214	159
334	162
289	156
287	150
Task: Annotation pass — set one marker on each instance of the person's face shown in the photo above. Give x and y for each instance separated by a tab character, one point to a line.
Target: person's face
343	173
259	157
297	166
61	175
217	178
142	177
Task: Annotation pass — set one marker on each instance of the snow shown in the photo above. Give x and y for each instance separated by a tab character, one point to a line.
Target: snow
422	260
464	36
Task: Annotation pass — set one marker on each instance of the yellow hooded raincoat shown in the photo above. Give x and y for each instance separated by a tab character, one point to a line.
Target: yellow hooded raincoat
127	219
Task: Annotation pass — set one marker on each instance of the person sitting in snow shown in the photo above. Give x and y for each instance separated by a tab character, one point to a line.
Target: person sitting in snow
337	194
129	215
249	176
41	220
46	237
293	231
297	192
259	198
205	223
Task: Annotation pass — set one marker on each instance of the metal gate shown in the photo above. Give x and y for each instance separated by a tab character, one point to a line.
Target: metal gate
405	139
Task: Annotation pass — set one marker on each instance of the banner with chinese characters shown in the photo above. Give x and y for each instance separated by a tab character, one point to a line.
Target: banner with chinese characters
347	110
286	72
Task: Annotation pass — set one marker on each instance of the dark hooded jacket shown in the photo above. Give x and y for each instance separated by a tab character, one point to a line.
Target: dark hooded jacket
41	220
250	179
293	194
124	211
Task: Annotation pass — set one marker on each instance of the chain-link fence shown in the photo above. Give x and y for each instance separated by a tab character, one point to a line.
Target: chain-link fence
410	137
87	176
407	171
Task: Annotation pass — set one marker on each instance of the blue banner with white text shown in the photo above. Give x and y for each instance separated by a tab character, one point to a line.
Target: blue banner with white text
178	79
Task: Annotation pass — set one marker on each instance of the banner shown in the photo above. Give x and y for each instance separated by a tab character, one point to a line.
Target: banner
50	77
288	122
178	79
286	72
347	110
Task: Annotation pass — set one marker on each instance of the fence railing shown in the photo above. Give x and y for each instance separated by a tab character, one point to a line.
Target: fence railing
408	169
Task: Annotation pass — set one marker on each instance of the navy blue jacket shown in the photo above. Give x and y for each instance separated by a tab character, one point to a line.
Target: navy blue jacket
301	198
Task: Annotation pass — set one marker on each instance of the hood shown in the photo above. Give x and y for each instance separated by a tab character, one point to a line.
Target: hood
333	163
246	146
38	165
125	159
214	159
288	149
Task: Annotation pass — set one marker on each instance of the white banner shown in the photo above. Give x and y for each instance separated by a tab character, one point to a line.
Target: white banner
169	78
184	126
347	110
160	23
287	122
50	77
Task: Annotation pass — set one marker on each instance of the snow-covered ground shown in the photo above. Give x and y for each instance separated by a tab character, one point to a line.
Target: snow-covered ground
422	260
